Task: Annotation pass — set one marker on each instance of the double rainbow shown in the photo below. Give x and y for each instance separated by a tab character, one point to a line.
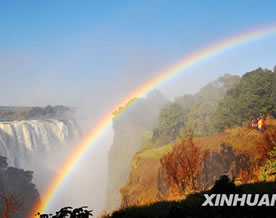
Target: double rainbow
99	127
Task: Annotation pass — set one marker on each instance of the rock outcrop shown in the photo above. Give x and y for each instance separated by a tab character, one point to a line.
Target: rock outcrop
131	130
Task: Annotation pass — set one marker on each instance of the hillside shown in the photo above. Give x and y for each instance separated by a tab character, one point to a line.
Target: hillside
198	138
191	205
148	181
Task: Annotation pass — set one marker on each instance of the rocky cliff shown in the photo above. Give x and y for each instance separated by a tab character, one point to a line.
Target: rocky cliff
228	153
145	184
131	130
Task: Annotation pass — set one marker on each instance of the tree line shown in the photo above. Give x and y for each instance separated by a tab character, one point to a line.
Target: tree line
224	103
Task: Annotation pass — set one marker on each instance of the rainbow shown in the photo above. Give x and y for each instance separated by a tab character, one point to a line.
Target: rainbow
98	129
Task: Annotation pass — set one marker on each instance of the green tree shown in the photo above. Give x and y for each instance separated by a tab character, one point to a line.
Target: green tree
186	101
171	119
251	97
269	170
201	115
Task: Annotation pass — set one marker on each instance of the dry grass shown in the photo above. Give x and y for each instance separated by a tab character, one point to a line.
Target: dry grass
249	151
183	165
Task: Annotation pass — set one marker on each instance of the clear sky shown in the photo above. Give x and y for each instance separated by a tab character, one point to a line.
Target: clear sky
70	52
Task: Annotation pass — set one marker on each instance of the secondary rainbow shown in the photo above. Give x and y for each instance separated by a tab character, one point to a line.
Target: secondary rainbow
99	127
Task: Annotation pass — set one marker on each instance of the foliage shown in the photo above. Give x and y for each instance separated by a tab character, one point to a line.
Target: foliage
223	104
17	193
201	116
147	137
171	120
123	108
11	204
186	101
183	165
192	113
58	111
69	212
268	172
200	119
229	101
266	142
248	173
251	97
24	113
233	152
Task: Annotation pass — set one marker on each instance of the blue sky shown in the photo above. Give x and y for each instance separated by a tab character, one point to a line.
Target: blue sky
90	54
64	52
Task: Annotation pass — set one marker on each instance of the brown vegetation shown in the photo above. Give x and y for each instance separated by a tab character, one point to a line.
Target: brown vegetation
196	163
10	204
248	173
183	165
267	141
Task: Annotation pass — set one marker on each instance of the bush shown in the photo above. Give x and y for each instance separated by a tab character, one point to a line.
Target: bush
268	172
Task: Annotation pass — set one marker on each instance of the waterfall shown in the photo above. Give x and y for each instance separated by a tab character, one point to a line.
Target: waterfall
24	142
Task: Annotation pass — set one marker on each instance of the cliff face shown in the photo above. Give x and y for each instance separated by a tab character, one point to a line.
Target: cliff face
229	152
146	183
209	115
120	154
131	130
